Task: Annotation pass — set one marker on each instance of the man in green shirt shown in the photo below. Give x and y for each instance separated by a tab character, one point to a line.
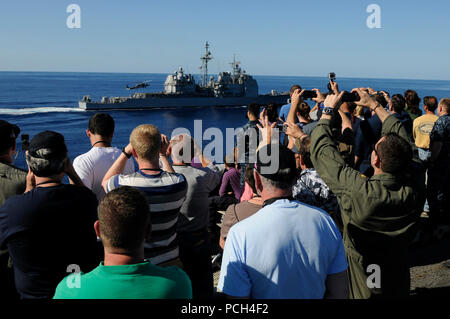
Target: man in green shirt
379	213
12	182
123	225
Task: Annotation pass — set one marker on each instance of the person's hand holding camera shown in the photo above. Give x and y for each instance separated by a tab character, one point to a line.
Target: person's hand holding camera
333	100
365	100
334	87
320	97
296	97
294	130
164	145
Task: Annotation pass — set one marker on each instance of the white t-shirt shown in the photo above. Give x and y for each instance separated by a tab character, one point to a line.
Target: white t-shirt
284	251
93	165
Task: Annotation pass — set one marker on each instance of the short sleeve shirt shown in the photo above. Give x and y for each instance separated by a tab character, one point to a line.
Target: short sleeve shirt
441	133
285	251
166	193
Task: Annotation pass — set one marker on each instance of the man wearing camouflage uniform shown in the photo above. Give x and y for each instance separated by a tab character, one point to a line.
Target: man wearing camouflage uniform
379	213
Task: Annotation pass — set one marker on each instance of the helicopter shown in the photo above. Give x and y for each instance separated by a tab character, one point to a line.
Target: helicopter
140	85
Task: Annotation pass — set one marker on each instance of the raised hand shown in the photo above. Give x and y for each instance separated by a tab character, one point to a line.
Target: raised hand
164	145
334	87
365	99
265	129
333	100
320	97
294	130
296	97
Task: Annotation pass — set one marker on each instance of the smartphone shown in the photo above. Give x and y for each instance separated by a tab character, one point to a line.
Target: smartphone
309	95
350	97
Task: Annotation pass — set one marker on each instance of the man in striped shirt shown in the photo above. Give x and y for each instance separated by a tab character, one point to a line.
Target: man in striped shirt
165	190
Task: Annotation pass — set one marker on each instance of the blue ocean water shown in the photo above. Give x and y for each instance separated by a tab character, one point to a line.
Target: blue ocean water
38	101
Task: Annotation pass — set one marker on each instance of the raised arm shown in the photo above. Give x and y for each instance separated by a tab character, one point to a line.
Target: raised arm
295	101
72	174
117	167
326	157
166	166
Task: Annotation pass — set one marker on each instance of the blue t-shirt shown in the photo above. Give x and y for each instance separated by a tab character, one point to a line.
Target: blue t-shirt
286	250
284	111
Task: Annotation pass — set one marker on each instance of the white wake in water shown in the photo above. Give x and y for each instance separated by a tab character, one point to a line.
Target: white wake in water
35	110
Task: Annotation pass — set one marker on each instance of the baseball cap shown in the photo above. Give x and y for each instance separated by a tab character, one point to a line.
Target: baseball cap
277	163
8	133
52	142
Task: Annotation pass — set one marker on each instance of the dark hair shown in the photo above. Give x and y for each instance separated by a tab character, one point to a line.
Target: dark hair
412	101
250	178
253	108
124	216
279	170
304	109
445	104
305	153
398	103
101	124
395	153
294	87
226	161
272	112
431	103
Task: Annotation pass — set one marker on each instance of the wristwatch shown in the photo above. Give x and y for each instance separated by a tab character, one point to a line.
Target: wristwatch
125	153
327	110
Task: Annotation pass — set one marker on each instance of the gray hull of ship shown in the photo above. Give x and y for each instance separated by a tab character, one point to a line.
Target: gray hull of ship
177	102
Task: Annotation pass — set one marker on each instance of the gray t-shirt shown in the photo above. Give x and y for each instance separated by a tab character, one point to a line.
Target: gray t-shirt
195	209
308	128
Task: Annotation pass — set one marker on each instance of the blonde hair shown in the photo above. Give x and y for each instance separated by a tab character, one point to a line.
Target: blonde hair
445	104
359	110
146	141
184	148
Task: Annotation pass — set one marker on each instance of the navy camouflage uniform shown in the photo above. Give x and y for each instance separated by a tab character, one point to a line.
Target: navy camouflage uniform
379	214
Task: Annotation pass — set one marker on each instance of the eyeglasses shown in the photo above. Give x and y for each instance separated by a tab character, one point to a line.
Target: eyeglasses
376	153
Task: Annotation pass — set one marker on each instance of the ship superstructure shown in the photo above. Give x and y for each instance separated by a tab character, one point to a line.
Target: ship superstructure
234	88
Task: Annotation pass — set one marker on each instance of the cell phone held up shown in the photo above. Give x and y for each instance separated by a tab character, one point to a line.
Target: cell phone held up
350	97
309	94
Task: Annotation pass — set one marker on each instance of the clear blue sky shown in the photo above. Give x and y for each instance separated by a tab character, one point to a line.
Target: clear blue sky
299	38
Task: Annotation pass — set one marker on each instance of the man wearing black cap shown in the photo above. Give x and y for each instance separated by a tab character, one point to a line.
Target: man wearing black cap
49	227
12	182
287	249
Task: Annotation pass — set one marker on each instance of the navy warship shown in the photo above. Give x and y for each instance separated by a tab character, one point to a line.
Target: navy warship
234	88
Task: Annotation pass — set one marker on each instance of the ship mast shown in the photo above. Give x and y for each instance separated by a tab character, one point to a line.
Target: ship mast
235	67
204	68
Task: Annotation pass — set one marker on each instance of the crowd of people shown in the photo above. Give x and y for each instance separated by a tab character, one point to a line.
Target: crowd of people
334	219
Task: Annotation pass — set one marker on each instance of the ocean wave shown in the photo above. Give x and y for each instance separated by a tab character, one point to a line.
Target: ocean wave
36	110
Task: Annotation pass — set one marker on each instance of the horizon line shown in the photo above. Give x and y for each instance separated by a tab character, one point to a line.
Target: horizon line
274	75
